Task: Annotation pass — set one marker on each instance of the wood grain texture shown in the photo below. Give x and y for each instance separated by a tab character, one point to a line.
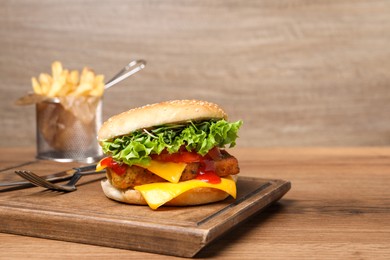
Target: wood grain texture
96	220
337	208
297	72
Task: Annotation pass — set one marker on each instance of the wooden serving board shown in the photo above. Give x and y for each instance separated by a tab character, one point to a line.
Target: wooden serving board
87	216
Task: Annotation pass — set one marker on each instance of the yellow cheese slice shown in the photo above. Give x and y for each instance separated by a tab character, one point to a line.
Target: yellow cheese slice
157	194
169	171
100	167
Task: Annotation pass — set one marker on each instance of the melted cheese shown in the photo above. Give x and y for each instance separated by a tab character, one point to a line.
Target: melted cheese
167	170
100	167
157	194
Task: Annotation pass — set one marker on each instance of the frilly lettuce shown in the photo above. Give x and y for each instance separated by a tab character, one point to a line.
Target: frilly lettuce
195	136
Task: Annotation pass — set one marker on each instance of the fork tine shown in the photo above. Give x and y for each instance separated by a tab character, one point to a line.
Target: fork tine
41	182
27	176
24	175
38	181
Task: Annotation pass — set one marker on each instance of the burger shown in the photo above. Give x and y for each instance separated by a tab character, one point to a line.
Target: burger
170	153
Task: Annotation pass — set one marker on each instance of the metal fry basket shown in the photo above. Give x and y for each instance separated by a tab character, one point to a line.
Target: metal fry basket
66	129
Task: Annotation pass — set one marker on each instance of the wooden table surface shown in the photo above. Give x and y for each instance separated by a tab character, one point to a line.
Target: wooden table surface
338	208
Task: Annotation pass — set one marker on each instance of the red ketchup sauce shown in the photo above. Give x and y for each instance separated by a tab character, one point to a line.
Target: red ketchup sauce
207	173
208	176
118	168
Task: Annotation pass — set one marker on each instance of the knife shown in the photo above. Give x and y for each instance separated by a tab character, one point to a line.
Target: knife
55	177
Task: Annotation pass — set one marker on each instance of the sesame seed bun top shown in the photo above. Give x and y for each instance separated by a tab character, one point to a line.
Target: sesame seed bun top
174	111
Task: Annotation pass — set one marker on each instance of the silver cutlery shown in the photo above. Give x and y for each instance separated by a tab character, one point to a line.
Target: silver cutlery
70	186
55	177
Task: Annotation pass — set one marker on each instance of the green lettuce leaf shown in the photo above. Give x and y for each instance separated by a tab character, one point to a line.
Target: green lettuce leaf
200	137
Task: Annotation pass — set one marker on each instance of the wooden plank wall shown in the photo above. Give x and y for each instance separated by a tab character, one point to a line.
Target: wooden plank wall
298	72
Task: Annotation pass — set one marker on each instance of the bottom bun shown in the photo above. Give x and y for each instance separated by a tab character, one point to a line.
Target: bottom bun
195	196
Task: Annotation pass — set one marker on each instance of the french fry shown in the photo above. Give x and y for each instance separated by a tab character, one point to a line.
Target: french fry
36	86
86	83
73	78
56	69
57	86
46	82
63	82
98	89
87	76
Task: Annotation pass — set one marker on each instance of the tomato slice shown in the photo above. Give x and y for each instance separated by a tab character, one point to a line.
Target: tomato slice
179	157
118	168
106	162
187	157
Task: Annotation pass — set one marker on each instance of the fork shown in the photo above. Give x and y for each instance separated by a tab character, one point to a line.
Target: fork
41	182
